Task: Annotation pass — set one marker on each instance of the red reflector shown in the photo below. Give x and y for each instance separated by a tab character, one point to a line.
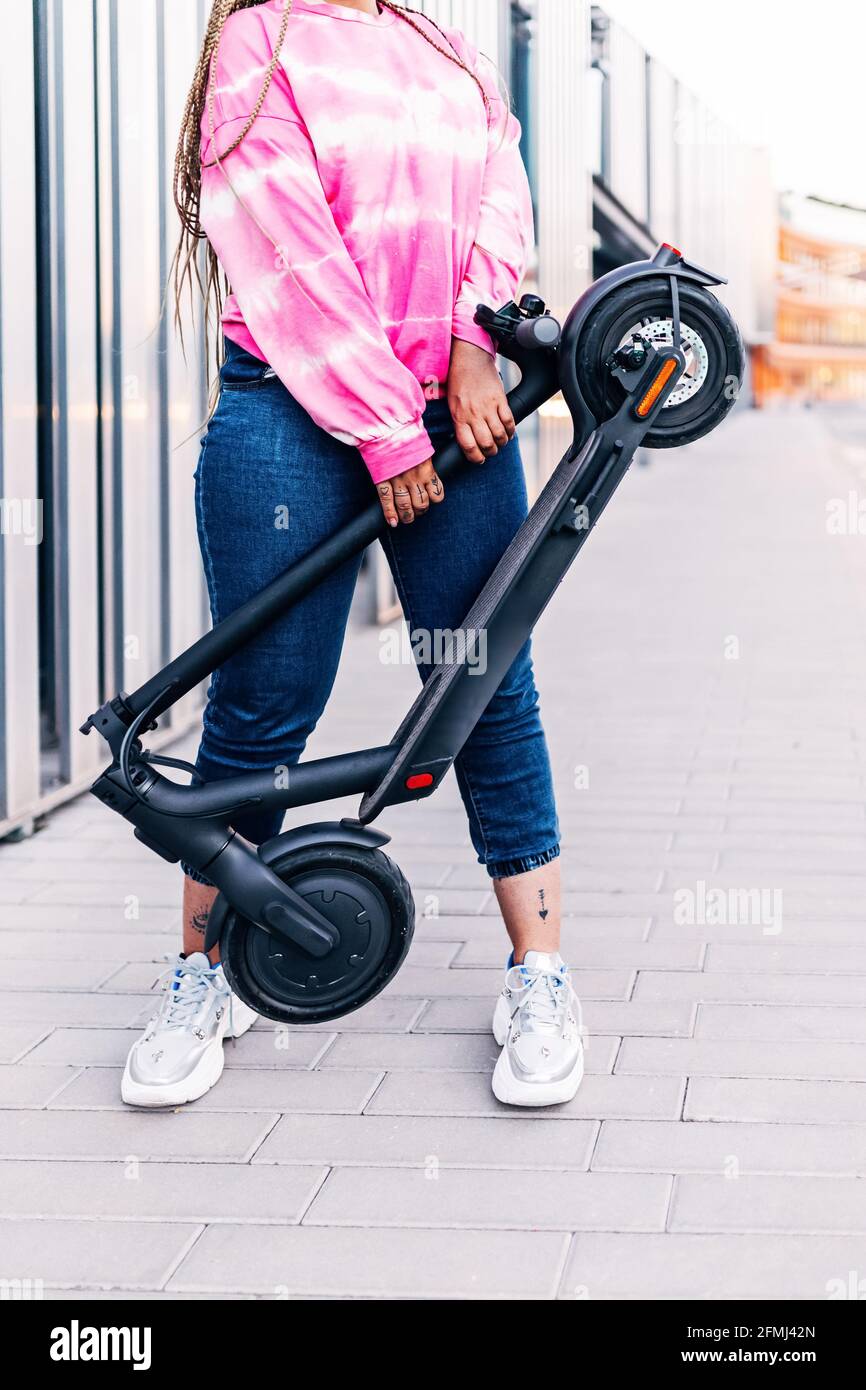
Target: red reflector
676	250
419	779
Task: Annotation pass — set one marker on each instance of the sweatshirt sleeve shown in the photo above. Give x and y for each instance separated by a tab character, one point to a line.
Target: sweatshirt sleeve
506	232
301	295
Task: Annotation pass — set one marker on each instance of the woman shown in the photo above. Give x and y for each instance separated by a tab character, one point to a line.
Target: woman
357	175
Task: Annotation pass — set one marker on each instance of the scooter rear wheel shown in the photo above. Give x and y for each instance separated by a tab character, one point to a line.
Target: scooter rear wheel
715	358
365	896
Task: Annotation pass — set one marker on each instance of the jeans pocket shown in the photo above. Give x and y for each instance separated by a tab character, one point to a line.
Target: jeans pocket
243	372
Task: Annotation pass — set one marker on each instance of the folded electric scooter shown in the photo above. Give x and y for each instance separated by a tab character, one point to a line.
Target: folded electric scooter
313	924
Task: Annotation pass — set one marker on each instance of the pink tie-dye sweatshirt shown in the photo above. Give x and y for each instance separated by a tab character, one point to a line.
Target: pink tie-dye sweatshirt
372	206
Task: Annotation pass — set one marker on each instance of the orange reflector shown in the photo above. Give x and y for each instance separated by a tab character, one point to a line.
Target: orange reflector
419	779
657	387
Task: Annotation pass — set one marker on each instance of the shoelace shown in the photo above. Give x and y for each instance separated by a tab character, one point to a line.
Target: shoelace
543	997
181	1003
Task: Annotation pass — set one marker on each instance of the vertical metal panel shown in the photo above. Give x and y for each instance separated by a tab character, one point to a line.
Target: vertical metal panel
480	21
628	121
19	658
662	152
564	179
140	298
75	202
564	157
186	405
438	10
109	345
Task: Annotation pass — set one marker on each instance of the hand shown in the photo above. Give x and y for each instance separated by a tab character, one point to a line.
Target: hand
410	494
483	422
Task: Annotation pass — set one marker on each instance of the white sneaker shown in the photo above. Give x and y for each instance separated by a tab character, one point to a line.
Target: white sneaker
537	1024
180	1055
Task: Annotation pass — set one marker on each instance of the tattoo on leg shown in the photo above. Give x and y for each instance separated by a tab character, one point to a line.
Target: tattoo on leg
542	910
199	920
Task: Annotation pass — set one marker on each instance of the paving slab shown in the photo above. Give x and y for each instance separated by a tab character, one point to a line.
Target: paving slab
709	1267
503	1199
369	1262
155	1191
444	1141
130	1255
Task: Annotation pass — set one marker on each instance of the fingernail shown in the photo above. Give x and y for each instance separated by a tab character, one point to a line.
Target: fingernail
393	521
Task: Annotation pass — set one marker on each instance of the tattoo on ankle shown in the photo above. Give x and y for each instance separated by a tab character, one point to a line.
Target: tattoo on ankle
199	921
542	910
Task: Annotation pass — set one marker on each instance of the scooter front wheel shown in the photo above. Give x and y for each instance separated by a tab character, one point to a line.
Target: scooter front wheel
365	896
710	340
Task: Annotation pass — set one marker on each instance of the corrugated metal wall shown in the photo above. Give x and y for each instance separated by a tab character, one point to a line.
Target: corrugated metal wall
95	398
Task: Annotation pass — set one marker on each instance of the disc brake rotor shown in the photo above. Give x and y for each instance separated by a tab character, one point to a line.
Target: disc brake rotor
661	333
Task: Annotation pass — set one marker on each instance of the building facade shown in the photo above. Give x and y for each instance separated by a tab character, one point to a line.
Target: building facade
818	352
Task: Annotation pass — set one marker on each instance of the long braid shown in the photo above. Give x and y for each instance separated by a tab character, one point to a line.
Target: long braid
188	165
404	11
260	100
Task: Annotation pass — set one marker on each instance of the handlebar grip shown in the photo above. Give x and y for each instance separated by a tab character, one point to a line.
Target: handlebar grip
542	332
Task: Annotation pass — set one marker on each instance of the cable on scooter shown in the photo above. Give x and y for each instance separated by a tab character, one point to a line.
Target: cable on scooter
123	762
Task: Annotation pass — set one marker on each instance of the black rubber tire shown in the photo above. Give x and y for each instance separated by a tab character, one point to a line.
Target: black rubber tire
361	891
700	310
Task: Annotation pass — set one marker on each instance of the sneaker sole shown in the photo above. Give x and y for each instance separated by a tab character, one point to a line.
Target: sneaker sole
192	1087
508	1089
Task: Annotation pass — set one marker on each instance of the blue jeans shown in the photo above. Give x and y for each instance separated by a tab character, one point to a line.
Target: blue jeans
270	485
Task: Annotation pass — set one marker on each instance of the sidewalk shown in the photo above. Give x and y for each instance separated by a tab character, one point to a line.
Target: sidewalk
703	669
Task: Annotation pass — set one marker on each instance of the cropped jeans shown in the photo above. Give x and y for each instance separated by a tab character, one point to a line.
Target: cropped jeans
270	485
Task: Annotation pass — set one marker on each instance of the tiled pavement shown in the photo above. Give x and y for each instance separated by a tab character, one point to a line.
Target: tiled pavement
704	671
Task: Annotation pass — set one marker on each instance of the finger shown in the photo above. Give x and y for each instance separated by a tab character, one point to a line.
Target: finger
386	497
466	439
497	429
418	494
483	437
403	503
507	418
435	489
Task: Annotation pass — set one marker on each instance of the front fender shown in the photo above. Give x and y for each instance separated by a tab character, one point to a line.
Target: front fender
666	261
344	832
